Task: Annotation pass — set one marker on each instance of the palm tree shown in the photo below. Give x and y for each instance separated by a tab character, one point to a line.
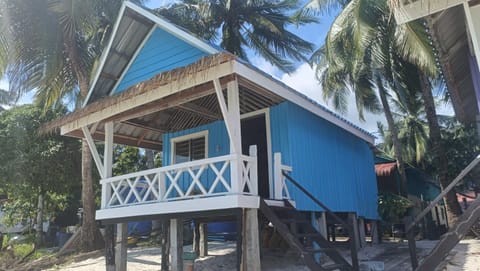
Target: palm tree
49	46
259	25
364	50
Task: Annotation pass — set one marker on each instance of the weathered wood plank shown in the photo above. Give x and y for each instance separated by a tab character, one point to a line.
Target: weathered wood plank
452	237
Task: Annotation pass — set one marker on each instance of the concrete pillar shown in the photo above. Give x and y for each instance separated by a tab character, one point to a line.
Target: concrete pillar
176	245
110	247
251	241
352	218
322	224
196	239
374	232
361	232
203	240
121	247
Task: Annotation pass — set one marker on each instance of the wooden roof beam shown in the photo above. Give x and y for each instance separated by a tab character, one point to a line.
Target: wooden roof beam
199	110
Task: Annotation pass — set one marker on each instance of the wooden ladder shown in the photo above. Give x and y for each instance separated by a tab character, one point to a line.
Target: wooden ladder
299	233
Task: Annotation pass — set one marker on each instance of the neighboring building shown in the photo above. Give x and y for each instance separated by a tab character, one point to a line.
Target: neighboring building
159	87
454	26
422	189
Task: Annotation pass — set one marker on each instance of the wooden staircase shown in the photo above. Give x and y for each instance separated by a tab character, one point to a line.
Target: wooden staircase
298	232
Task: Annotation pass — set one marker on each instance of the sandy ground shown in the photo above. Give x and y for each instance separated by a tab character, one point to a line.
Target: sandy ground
393	256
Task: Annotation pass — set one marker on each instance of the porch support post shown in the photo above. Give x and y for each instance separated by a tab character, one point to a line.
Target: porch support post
109	229
94	151
176	244
231	116
277	175
251	242
121	247
361	231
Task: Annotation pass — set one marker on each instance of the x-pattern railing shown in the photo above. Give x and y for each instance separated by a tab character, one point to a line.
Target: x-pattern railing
202	178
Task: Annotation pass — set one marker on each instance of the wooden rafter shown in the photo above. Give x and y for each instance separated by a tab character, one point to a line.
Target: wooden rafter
109	76
202	111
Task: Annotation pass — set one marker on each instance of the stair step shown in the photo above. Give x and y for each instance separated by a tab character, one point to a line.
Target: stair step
334	266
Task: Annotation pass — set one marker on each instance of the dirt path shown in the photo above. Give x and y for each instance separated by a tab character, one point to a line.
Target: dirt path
394	256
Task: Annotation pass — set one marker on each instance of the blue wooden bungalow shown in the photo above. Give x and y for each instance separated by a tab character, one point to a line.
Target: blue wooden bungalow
227	132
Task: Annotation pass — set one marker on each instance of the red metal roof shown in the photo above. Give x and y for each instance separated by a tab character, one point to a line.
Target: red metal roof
385	169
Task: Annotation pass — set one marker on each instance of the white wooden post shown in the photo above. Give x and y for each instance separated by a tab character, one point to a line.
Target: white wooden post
254	170
94	151
107	163
277	175
236	141
110	258
161	186
231	117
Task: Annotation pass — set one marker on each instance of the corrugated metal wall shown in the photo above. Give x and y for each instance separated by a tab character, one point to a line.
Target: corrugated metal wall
162	52
218	145
331	163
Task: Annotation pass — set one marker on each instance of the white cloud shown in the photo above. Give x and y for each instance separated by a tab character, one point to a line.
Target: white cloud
304	81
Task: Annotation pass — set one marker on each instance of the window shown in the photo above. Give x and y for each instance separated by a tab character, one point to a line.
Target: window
189	148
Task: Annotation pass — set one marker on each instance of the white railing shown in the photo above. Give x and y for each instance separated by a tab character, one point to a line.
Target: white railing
281	189
223	175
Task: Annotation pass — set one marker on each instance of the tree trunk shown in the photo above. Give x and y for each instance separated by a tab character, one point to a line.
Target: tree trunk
39	223
394	133
91	239
438	148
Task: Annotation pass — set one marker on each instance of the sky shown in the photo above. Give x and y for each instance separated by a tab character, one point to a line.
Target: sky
302	79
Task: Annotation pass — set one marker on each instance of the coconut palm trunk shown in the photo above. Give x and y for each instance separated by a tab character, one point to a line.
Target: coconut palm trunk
39	222
394	133
438	148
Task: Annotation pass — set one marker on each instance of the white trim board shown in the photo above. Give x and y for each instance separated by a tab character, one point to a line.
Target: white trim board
266	112
160	23
104	55
174	140
291	95
180	206
134	56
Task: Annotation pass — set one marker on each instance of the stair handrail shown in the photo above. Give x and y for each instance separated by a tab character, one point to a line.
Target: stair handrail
318	202
351	233
432	204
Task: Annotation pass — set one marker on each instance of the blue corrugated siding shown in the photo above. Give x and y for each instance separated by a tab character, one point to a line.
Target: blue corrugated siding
334	165
218	145
162	52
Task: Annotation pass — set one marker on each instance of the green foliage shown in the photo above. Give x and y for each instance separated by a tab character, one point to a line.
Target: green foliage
128	160
392	208
31	164
462	146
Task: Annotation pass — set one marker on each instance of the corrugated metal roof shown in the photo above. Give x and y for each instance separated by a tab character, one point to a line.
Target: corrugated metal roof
450	38
132	30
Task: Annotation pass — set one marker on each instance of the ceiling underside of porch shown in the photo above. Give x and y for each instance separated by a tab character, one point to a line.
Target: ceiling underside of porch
147	130
450	38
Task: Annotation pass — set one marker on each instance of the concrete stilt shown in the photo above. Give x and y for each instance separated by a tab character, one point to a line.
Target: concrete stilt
121	247
322	224
374	232
203	240
251	242
352	217
176	245
110	247
361	231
